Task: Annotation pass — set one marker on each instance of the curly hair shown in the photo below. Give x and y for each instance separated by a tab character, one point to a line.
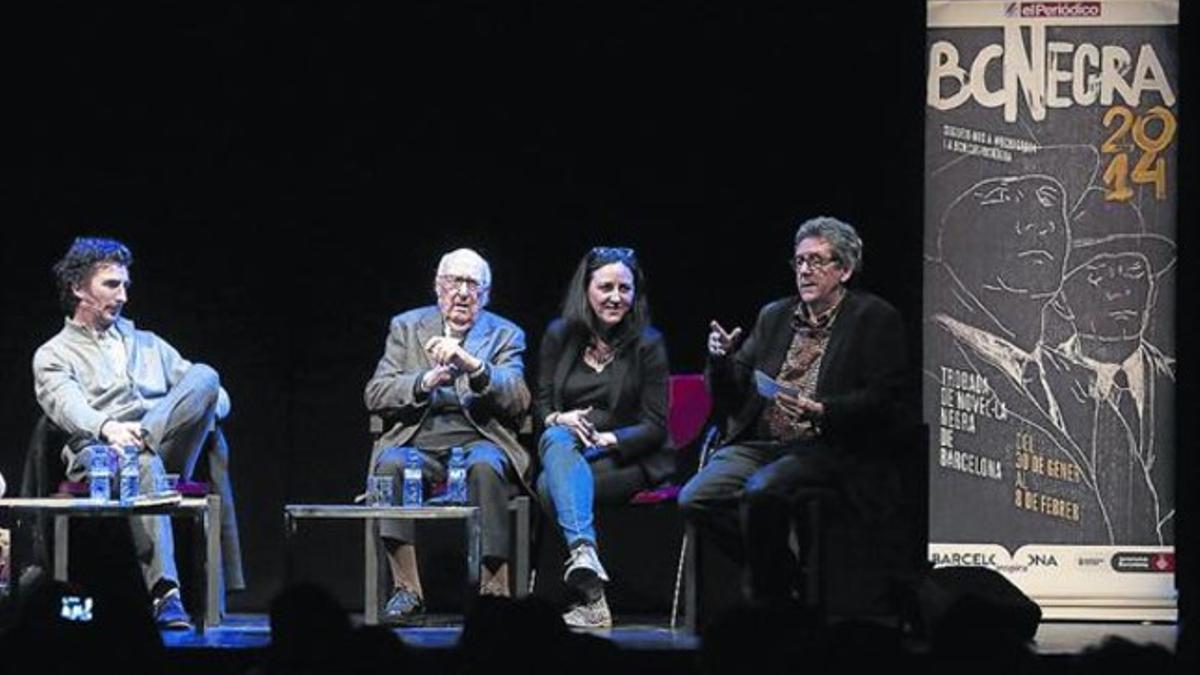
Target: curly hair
578	312
842	237
80	261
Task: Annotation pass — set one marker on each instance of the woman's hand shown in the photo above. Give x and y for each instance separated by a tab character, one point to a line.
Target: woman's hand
601	447
577	421
605	439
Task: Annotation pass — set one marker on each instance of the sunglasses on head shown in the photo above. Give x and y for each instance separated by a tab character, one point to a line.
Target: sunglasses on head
619	252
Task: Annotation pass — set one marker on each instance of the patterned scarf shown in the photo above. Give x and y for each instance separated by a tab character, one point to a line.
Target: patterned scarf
801	368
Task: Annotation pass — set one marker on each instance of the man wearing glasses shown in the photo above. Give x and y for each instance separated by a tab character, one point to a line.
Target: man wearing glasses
810	394
452	375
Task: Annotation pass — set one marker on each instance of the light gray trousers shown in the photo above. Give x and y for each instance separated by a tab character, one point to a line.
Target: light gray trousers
175	430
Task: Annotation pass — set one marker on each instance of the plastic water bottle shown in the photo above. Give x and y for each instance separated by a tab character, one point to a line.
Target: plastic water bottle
100	474
413	492
456	480
129	475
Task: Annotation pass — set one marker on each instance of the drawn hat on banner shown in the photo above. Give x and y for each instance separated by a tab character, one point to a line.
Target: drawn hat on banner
1023	244
1105	292
1005	226
1075	167
1102	227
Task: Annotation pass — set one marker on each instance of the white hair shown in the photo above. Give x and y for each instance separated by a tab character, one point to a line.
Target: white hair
466	262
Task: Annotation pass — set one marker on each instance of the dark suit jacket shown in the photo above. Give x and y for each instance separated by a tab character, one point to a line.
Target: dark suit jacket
862	378
1028	393
1139	508
638	403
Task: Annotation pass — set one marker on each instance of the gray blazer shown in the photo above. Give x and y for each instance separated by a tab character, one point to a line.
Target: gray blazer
495	403
79	390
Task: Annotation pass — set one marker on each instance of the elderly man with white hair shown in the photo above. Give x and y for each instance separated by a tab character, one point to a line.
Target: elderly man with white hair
451	376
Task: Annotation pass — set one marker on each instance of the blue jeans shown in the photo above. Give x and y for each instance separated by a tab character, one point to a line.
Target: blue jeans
566	483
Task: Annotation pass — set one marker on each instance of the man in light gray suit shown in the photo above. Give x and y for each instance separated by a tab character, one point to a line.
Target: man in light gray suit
114	388
452	375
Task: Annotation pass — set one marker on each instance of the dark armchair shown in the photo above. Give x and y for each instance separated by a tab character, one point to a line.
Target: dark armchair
44	475
861	546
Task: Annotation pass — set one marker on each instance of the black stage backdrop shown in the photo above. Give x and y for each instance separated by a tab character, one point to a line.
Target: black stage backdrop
287	178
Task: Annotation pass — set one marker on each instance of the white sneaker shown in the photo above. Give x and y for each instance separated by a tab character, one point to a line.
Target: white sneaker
589	615
584	557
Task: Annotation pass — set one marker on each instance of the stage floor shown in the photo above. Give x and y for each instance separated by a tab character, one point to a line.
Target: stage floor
1054	638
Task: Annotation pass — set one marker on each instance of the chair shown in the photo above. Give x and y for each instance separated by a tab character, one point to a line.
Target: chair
44	475
688	565
688	409
879	548
877	532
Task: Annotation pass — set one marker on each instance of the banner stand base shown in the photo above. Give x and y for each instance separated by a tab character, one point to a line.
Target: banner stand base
1154	610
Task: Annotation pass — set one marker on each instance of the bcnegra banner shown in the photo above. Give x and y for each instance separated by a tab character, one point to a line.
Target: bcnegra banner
1049	349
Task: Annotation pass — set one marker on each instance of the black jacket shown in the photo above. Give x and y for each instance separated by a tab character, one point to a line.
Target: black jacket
637	404
861	383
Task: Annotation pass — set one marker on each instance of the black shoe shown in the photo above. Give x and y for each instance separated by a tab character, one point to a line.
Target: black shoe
584	574
403	608
168	612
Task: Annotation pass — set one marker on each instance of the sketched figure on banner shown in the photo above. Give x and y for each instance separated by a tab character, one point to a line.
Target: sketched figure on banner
1118	403
1002	251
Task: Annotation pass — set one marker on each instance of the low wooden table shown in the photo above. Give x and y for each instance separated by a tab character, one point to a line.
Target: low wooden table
371	515
206	511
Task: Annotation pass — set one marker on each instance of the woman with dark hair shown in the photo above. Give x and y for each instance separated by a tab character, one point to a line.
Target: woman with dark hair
602	401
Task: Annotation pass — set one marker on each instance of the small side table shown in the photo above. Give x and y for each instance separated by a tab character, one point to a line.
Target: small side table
371	515
206	511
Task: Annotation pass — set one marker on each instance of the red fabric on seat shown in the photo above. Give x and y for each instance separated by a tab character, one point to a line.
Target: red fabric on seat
666	493
80	488
688	408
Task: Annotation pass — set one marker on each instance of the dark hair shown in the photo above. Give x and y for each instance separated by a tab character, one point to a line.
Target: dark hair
578	312
79	261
